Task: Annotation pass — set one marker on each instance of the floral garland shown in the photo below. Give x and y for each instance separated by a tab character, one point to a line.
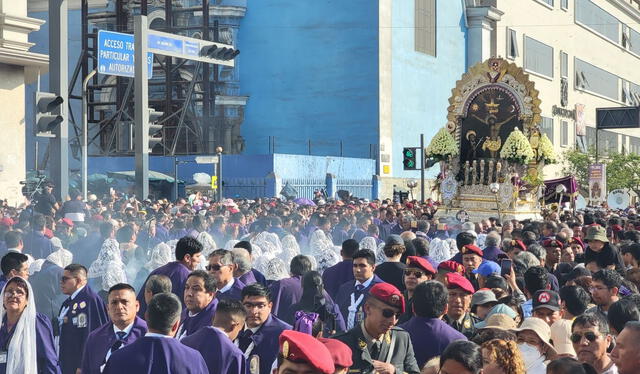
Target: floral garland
545	150
517	148
442	146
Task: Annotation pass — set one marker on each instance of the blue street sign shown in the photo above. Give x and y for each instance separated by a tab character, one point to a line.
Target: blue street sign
164	43
116	52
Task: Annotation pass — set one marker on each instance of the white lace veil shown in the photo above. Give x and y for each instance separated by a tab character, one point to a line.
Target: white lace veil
35	266
61	257
161	255
322	249
22	355
369	242
109	260
290	248
230	244
380	256
114	274
276	269
208	244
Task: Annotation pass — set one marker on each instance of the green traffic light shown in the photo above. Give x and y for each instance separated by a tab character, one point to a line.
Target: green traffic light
408	153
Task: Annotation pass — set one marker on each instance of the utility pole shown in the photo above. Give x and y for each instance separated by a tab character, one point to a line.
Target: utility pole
422	162
141	96
59	84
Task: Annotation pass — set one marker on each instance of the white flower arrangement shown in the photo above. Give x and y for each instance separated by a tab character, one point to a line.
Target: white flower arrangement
517	148
545	150
442	146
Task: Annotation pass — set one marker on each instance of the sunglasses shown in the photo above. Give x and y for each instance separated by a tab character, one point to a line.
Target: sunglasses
416	273
576	338
215	267
388	313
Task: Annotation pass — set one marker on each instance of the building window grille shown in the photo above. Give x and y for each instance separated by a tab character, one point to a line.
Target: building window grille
592	16
599	81
538	57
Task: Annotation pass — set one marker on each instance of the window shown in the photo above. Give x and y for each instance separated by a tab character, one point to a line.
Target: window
607	142
564	65
564	4
425	26
634	41
564	133
512	43
546	127
547	2
591	137
634	145
538	57
634	94
593	79
589	14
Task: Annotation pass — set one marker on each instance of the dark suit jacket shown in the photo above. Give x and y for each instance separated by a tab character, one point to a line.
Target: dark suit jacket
402	357
265	342
343	298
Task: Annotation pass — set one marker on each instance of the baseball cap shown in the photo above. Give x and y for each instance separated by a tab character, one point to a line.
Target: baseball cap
546	299
483	297
487	268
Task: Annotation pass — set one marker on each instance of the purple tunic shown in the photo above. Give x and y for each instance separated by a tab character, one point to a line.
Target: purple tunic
45	348
86	313
248	278
432	335
336	275
284	293
220	354
156	355
265	342
37	245
102	339
189	325
234	293
177	272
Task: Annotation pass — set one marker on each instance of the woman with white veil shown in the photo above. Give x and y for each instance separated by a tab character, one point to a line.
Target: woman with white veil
208	246
109	257
322	249
26	337
290	248
160	255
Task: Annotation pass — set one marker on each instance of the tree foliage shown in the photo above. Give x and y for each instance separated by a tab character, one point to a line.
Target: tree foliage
577	163
623	169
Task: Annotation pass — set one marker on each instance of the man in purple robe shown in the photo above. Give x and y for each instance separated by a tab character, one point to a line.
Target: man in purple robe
35	243
80	314
426	328
221	268
352	294
188	254
341	272
256	275
157	352
215	343
125	328
288	291
262	329
199	298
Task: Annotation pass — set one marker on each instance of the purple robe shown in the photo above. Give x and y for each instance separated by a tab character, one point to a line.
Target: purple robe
431	335
177	272
37	245
189	325
102	339
86	313
260	278
248	278
156	355
218	351
285	293
234	293
336	275
265	342
45	348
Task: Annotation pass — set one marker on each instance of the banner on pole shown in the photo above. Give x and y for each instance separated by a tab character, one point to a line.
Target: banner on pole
597	183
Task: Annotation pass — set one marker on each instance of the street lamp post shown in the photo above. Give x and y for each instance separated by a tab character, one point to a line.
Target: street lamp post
495	187
85	135
219	152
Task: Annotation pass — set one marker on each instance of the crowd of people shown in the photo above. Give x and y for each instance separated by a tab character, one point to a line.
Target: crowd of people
116	285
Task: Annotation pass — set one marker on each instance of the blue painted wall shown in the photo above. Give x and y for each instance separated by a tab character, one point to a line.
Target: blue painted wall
421	83
310	69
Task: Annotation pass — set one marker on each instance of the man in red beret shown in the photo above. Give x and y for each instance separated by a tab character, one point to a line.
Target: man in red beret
379	346
458	316
301	353
418	270
471	259
446	267
340	353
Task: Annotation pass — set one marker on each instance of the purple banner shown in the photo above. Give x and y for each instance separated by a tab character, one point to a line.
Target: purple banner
550	194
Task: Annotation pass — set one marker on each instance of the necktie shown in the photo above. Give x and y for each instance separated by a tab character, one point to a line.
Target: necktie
120	336
375	350
245	340
359	288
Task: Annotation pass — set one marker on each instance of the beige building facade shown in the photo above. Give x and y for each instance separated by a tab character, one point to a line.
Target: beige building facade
18	66
581	54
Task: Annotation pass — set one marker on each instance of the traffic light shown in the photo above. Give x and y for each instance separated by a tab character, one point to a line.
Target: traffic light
409	158
219	52
155	135
48	113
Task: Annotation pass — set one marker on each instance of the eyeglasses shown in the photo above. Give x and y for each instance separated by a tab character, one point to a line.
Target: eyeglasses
598	288
12	293
576	337
250	306
416	273
214	267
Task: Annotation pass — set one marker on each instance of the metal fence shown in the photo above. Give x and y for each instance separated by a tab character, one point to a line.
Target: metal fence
305	186
245	188
357	187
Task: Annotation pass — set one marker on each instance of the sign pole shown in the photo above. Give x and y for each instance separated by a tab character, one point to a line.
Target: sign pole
141	96
422	168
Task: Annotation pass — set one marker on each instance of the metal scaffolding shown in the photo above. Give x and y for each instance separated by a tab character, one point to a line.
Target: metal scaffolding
185	91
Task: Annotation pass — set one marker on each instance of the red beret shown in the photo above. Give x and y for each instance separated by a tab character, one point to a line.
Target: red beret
455	280
576	240
388	294
616	228
420	263
6	221
67	222
340	352
451	265
471	248
519	243
553	243
303	348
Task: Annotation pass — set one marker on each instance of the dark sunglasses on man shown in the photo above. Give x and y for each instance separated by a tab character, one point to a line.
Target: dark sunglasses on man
576	337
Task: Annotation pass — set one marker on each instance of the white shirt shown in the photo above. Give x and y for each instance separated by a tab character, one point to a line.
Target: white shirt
156	335
366	283
126	330
228	286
